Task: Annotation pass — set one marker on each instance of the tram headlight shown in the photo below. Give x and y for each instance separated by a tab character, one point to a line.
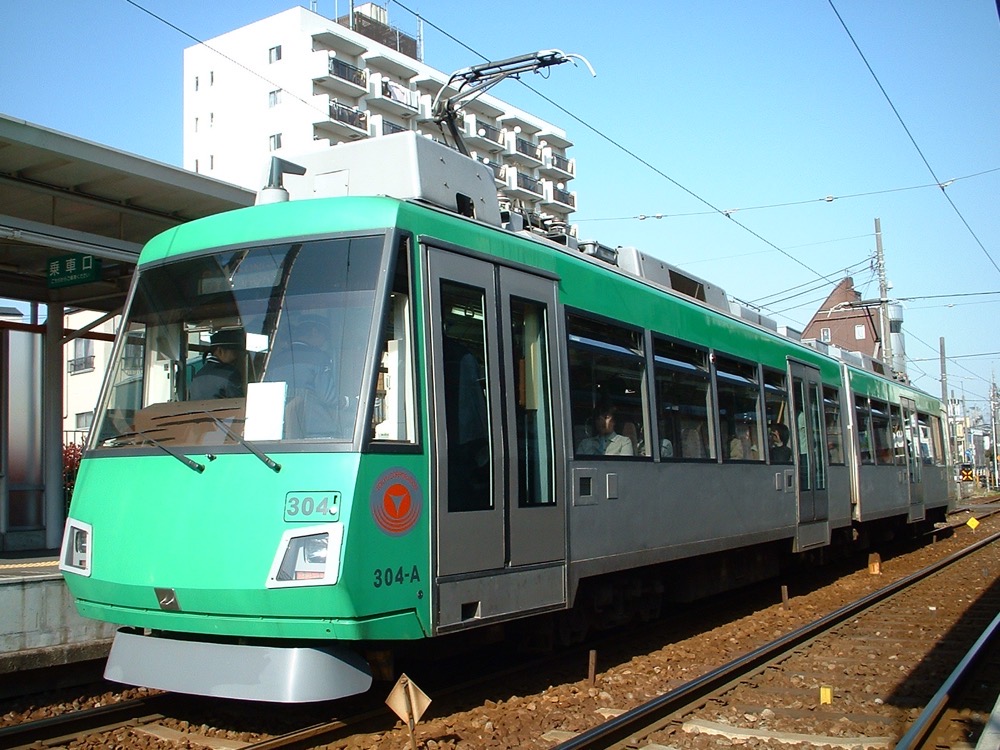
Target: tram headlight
75	555
308	556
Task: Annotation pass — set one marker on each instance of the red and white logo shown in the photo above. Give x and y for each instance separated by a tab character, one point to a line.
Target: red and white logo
396	502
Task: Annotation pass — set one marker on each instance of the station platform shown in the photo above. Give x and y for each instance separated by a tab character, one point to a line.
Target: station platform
39	624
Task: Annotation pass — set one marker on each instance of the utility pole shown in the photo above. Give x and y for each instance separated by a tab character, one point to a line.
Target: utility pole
883	294
949	427
993	425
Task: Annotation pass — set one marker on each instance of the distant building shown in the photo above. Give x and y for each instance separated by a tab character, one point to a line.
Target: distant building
297	81
846	321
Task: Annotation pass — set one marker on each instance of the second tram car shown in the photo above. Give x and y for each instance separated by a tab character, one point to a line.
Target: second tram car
398	413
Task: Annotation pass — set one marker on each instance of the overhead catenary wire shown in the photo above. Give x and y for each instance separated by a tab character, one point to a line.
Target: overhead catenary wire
622	148
913	140
785	204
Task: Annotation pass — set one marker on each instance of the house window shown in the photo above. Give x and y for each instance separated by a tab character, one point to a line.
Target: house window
196	124
211	162
196	83
84	420
859	332
276	141
274	98
274	54
824	335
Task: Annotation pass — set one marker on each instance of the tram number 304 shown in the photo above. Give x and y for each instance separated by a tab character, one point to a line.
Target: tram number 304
389	576
312	506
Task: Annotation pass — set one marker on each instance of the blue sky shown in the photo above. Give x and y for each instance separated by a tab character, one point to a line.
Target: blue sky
735	104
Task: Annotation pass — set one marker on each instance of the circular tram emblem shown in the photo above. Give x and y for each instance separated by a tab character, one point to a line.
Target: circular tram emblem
396	502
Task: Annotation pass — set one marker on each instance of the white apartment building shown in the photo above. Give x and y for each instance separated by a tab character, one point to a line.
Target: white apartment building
297	81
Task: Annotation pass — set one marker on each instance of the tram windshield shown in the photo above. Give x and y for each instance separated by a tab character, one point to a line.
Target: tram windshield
263	343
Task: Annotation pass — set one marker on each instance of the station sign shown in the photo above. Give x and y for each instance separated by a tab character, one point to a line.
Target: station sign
69	270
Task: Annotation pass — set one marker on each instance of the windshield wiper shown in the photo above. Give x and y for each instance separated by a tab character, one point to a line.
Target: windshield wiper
267	460
190	463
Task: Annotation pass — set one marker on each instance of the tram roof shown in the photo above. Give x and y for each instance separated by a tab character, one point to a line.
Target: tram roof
60	194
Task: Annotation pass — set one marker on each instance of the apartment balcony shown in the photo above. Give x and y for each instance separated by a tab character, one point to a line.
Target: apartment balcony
393	97
520	185
391	128
344	79
557	198
479	134
345	123
522	151
557	166
495	167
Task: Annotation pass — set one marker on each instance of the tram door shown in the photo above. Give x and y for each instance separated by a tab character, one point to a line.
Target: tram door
914	465
810	452
500	525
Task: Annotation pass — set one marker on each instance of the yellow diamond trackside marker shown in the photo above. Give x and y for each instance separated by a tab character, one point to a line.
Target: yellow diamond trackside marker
972	523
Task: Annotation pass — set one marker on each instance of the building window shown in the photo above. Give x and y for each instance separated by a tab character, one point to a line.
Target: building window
274	54
859	332
211	78
196	83
274	98
84	420
824	335
211	119
83	356
276	141
196	166
211	162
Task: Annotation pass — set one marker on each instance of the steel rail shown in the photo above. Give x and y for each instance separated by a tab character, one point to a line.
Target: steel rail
923	724
625	726
66	726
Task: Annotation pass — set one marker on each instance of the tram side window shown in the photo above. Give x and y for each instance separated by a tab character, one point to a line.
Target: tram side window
862	418
898	436
683	401
739	409
881	432
834	432
393	410
607	389
779	443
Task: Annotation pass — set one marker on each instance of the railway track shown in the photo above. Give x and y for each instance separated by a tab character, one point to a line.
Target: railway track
147	718
78	725
779	693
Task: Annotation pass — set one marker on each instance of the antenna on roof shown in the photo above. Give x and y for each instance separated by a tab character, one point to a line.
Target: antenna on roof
480	78
274	191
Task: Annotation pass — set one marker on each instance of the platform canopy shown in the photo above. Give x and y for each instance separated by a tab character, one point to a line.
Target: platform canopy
74	214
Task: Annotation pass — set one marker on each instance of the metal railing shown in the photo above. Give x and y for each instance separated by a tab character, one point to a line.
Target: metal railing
80	364
561	162
564	196
490	133
526	147
348	72
528	183
389	127
349	115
